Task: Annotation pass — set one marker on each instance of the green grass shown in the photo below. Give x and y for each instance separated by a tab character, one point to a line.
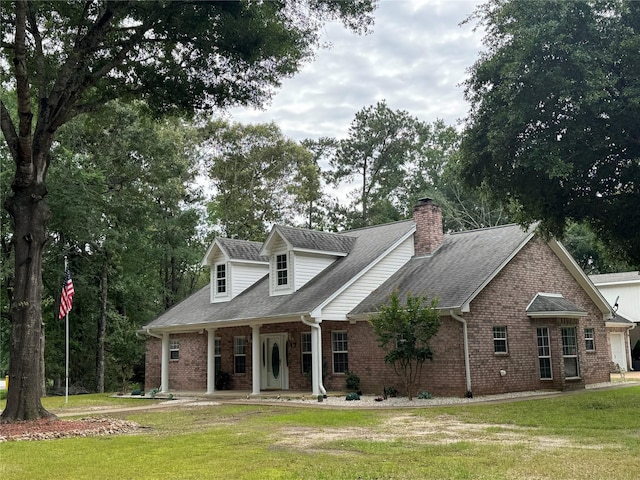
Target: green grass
57	404
594	434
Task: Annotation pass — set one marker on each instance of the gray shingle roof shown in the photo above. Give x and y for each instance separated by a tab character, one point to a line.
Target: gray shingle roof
544	303
615	277
242	249
306	239
255	302
455	272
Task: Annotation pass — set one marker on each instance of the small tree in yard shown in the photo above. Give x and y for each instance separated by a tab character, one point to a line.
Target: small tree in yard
407	329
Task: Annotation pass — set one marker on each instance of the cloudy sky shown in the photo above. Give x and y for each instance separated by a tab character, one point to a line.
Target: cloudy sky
415	59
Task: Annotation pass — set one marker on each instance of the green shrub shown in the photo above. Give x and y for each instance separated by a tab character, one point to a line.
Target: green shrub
352	396
352	381
424	395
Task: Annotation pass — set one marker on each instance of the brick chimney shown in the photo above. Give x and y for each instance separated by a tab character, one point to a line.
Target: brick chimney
429	234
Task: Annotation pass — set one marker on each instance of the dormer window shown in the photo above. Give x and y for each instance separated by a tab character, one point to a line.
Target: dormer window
282	270
221	278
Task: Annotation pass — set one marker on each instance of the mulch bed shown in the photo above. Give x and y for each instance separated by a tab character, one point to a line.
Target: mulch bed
52	428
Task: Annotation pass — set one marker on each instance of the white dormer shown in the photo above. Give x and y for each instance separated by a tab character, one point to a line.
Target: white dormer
234	266
297	255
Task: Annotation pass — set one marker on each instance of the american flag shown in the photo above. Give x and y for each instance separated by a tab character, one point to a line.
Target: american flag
66	299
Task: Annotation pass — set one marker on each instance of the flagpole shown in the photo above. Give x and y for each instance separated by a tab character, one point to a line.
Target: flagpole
66	365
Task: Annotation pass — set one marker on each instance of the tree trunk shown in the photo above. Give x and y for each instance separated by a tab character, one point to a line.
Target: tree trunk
30	215
102	326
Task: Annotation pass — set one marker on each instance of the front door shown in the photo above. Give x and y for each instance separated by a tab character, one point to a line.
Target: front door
274	362
618	350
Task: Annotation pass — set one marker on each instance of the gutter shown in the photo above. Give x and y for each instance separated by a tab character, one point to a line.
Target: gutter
317	368
467	366
147	332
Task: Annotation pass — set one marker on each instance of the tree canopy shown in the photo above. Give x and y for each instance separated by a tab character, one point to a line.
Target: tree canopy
64	58
553	128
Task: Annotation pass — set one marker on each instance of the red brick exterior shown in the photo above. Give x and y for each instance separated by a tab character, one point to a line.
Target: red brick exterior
501	303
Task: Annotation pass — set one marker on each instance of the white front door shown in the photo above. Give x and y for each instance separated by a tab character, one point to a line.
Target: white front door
274	364
618	350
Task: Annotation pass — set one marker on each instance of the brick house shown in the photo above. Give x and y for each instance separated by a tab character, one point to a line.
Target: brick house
292	313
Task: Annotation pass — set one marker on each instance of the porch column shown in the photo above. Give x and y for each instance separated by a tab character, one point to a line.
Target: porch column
164	369
316	360
255	359
211	360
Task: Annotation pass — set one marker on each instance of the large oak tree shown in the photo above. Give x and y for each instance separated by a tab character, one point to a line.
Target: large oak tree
66	58
553	128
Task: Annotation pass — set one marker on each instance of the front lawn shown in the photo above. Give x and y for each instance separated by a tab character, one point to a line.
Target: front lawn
592	434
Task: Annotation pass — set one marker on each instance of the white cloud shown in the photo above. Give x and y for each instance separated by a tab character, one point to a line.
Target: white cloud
416	58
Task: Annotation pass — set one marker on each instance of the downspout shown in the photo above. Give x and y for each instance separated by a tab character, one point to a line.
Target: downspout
318	348
467	366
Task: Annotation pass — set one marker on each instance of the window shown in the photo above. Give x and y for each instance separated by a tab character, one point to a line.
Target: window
589	339
174	349
217	355
340	355
570	352
239	355
544	353
500	339
305	346
221	278
281	270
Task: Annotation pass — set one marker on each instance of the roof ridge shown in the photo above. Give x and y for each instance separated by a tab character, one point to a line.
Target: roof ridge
376	226
494	227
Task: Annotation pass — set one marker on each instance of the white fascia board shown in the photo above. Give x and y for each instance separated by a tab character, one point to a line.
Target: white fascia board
320	252
466	306
559	314
214	244
615	283
250	262
581	277
317	312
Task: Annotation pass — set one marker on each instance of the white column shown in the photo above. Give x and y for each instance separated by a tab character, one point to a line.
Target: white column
255	359
164	370
211	360
316	360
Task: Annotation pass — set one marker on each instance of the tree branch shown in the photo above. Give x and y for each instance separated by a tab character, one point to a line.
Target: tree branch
9	130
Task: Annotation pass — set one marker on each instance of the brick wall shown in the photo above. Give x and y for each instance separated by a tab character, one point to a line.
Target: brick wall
503	303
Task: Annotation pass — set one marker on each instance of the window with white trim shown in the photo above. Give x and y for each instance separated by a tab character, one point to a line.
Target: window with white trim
221	279
570	352
500	340
340	352
589	339
282	270
305	349
239	354
174	349
544	353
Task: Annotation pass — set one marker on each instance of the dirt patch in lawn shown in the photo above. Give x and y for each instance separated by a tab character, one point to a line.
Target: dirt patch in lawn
435	431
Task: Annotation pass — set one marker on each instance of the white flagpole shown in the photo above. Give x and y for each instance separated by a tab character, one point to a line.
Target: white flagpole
66	327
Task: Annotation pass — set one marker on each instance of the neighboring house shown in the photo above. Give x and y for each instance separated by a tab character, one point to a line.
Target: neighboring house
622	290
293	313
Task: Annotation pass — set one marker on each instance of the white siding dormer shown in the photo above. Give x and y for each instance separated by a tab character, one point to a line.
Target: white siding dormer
308	266
234	266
